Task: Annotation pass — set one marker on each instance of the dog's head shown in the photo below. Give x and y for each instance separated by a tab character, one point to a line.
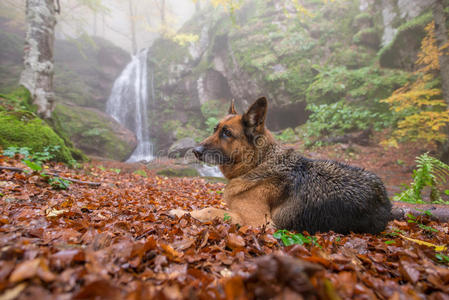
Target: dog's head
237	141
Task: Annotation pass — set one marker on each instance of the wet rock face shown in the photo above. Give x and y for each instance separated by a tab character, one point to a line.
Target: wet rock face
395	12
85	74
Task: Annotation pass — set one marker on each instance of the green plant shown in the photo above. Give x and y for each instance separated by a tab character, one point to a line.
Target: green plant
58	183
74	164
442	258
288	238
430	172
211	123
214	109
339	118
34	166
415	220
35	161
226	217
37	157
288	135
141	173
12	151
46	155
116	170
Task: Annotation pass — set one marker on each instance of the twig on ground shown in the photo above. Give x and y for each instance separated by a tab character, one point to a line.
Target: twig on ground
15	169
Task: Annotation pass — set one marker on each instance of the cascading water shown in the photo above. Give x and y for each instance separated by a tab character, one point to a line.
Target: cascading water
128	103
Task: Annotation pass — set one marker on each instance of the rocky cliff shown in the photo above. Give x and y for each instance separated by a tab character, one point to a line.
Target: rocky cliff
270	48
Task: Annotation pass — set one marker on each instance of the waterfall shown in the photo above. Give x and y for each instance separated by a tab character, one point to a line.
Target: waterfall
128	103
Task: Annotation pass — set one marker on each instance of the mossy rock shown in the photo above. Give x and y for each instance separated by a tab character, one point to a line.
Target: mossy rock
25	129
403	51
179	172
19	99
95	132
363	20
368	37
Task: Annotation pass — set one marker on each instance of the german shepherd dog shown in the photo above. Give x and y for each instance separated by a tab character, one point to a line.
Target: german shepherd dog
270	185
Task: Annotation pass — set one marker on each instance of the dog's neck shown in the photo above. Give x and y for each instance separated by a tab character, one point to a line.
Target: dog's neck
262	154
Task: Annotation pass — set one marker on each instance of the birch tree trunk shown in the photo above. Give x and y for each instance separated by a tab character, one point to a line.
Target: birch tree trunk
37	76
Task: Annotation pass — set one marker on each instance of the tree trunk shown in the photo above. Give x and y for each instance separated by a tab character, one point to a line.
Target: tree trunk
37	76
133	28
442	38
197	6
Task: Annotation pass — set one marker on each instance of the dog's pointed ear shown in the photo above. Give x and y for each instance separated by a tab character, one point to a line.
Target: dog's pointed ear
255	115
232	110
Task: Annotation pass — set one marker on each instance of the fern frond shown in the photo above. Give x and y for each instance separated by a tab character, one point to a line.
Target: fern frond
430	172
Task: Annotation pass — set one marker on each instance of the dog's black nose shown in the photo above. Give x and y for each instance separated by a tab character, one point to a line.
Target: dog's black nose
198	151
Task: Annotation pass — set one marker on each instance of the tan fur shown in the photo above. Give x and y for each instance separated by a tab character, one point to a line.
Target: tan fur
249	202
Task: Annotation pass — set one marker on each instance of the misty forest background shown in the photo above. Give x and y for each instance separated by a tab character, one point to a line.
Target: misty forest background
353	80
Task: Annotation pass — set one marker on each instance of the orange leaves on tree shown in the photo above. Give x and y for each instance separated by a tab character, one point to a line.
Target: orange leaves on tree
425	113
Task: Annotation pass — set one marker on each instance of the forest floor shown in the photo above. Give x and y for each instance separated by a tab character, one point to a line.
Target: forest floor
117	241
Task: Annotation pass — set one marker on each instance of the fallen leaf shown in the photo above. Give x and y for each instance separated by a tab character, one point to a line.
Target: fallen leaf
419	242
25	270
235	241
13	293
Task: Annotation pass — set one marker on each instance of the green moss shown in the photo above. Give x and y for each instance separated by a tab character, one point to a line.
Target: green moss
178	172
57	126
363	18
24	129
353	57
18	99
91	132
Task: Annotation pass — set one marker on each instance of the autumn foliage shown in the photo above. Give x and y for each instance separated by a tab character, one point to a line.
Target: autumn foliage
424	112
117	241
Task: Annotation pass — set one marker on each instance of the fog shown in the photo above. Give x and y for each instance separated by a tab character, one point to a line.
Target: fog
112	20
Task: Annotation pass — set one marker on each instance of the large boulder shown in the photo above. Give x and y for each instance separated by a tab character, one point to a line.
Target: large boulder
181	147
95	132
402	51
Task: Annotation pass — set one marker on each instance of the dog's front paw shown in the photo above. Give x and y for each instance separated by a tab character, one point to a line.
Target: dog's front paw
178	212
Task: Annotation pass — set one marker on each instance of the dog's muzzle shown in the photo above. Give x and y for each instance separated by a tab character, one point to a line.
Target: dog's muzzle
198	151
210	156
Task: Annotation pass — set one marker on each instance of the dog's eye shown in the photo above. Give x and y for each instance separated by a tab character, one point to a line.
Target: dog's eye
226	132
